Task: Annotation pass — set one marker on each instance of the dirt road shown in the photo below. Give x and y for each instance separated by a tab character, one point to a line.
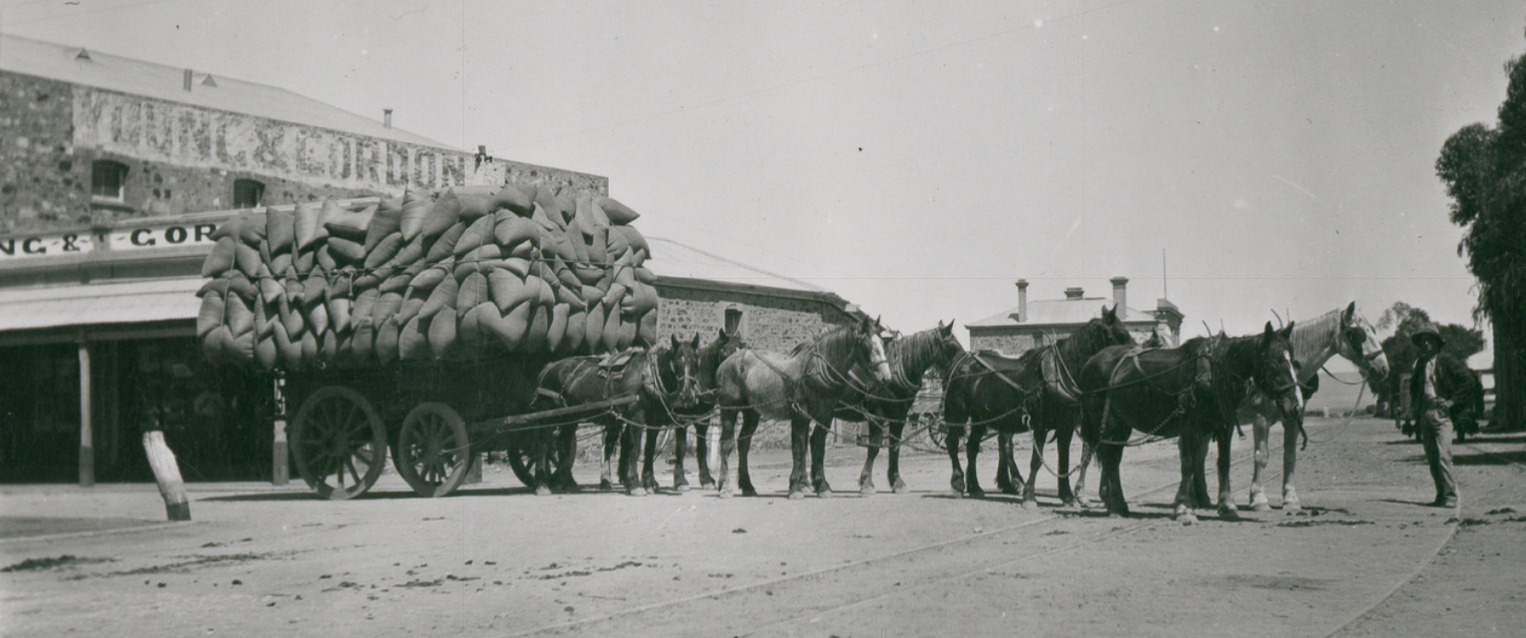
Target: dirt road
1365	558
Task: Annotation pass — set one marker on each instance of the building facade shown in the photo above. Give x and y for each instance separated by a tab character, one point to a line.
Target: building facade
1042	322
113	175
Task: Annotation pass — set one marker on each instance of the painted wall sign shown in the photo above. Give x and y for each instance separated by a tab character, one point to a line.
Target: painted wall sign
139	239
45	245
165	236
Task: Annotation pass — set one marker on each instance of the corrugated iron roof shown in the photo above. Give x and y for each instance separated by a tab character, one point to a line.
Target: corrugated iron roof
138	77
673	259
1048	312
99	304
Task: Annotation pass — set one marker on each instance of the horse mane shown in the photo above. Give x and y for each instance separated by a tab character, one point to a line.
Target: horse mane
1312	337
910	356
1073	346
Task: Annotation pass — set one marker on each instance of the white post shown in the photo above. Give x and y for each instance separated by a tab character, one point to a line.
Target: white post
279	472
167	475
86	430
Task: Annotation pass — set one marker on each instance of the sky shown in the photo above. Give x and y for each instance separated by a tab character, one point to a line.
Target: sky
918	158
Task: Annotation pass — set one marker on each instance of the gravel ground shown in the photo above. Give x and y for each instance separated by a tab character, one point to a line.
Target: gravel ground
1366	557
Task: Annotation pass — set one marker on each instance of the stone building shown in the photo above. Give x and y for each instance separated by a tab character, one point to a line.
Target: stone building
1036	323
114	172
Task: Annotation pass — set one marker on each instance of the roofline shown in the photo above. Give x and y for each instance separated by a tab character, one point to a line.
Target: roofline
972	326
804	286
691	283
430	141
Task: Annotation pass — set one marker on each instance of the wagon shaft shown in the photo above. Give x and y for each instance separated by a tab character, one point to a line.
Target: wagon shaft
524	421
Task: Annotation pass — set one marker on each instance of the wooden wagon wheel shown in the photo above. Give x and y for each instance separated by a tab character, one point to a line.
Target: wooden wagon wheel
340	443
937	433
522	459
433	450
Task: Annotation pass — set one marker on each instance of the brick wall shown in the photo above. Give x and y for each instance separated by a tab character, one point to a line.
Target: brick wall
182	158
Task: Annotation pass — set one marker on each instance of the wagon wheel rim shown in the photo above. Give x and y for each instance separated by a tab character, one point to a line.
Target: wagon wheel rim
340	443
433	450
522	461
937	433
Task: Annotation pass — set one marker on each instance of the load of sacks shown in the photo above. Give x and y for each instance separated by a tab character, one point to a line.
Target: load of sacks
446	275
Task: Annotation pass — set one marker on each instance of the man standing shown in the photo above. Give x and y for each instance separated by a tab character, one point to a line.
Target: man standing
1439	382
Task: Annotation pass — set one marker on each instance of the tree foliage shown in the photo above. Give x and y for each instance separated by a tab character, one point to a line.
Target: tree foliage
1484	171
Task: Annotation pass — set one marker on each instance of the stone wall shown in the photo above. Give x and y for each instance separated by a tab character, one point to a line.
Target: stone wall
42	182
768	322
182	158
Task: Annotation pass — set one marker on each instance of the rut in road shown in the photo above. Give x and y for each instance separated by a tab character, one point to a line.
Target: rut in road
1359	614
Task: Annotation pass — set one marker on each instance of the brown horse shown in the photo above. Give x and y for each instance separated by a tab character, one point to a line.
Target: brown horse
1034	392
663	379
802	386
884	405
1189	393
710	358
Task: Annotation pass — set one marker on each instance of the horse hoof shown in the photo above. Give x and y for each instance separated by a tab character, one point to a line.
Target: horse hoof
604	484
726	493
681	487
1291	507
1261	506
977	493
796	495
748	491
826	493
707	485
1029	505
1228	514
867	490
542	491
899	486
637	491
1186	519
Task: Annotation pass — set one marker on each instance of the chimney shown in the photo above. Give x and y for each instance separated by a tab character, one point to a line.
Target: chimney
1121	297
1022	300
186	84
387	118
1073	293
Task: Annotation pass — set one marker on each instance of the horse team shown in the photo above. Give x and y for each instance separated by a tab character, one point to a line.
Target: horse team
1095	381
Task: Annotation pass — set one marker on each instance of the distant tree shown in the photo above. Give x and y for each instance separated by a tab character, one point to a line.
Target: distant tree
1461	342
1484	170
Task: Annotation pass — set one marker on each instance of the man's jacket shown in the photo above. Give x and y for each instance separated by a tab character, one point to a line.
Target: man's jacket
1454	382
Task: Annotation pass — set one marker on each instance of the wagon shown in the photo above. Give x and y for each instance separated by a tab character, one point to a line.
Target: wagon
436	418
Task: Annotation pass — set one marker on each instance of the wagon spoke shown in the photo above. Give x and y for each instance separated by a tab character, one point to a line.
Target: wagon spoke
350	463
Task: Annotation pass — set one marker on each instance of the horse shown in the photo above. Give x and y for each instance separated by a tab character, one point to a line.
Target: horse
1190	393
1338	332
661	379
883	406
1033	392
802	386
710	358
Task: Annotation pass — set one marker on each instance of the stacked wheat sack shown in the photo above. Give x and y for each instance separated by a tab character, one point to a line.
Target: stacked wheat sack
471	270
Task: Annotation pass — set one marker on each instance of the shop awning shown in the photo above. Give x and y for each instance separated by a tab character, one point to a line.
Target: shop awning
99	304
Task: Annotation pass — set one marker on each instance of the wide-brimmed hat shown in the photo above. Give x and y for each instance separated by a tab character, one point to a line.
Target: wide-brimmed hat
1427	330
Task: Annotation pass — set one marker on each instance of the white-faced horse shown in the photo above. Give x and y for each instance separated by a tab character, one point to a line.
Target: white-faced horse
1341	332
801	387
